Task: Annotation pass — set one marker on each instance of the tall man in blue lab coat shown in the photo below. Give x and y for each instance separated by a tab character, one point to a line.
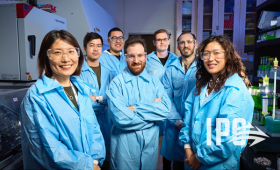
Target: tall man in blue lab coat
113	58
158	60
98	76
137	102
178	80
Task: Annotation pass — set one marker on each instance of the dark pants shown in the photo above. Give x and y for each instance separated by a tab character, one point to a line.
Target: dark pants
177	165
106	165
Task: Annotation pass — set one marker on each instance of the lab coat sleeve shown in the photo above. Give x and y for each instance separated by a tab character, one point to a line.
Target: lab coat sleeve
231	108
158	111
168	86
112	75
43	138
98	146
122	117
185	132
97	107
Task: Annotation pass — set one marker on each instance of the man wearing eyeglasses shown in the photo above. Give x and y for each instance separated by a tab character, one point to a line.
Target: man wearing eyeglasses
137	101
98	76
178	80
158	60
113	58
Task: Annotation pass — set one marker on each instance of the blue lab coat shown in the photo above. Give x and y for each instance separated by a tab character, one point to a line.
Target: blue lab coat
154	66
232	101
134	136
54	134
100	109
176	83
111	62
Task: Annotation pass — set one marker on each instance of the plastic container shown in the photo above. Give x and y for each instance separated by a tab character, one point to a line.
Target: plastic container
277	114
272	125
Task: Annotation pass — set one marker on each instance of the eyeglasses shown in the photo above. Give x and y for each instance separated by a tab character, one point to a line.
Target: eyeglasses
132	57
184	42
98	46
58	53
162	40
218	54
115	38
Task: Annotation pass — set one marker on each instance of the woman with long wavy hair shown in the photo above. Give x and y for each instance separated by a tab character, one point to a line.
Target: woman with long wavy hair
220	92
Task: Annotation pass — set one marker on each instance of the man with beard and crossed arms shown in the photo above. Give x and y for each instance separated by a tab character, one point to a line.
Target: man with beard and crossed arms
137	102
178	80
113	58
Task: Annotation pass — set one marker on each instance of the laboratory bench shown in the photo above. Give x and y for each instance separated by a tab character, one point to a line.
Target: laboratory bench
268	148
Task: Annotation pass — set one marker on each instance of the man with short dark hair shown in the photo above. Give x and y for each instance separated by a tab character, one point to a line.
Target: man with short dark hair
113	58
137	102
178	80
98	76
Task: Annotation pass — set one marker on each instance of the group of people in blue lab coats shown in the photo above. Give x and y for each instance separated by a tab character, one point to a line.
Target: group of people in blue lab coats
109	109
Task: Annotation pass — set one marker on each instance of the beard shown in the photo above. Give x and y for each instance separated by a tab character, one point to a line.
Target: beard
191	51
136	71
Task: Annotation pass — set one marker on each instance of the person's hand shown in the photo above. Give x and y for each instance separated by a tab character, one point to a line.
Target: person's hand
180	126
93	98
131	108
96	167
188	154
193	162
157	100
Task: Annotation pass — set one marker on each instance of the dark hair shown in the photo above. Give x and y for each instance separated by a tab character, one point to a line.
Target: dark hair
114	29
91	36
161	31
233	64
134	40
49	39
183	33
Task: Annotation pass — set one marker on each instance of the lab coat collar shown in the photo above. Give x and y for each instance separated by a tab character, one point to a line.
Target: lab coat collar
232	81
86	67
106	51
127	75
235	80
47	84
177	65
171	57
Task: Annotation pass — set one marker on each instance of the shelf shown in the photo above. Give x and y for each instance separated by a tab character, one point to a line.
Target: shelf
249	44
229	13
268	42
250	29
246	57
207	14
257	79
228	29
273	29
17	81
250	13
186	30
270	5
187	16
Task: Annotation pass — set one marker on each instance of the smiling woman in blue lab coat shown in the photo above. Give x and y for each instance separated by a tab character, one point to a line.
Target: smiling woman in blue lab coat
220	92
59	130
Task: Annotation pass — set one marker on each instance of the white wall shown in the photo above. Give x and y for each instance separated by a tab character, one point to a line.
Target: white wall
83	16
142	16
75	20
